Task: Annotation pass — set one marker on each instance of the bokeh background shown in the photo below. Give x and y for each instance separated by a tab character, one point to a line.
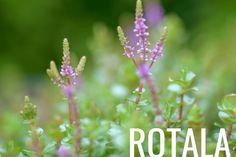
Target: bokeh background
201	37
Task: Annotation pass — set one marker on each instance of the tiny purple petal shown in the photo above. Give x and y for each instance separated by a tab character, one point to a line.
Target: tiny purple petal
63	152
67	70
129	51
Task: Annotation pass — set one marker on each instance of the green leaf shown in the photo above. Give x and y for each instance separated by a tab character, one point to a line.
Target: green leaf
225	117
49	148
175	88
190	76
229	103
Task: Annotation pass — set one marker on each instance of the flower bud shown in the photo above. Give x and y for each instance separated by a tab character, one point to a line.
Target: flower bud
29	111
139	9
81	65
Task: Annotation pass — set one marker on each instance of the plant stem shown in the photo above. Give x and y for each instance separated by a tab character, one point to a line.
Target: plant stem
136	65
181	107
155	100
90	153
229	133
140	90
230	130
35	140
74	120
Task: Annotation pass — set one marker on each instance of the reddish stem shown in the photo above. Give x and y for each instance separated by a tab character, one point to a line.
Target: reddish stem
155	99
229	133
74	120
35	141
140	90
230	130
181	107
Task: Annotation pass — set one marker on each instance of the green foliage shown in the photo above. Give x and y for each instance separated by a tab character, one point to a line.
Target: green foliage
184	84
227	109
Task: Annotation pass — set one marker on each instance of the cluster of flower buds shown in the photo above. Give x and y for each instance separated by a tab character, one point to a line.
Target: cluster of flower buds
29	111
142	48
68	75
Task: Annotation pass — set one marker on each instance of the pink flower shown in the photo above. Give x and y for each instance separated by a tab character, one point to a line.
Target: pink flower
129	51
141	46
63	152
142	34
67	70
157	52
143	71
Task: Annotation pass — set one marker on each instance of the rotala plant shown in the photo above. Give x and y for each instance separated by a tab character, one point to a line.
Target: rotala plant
143	56
68	80
101	131
29	115
183	86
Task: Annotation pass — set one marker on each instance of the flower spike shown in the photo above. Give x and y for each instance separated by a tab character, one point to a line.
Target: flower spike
66	48
81	65
157	51
139	9
129	50
66	69
54	74
29	111
140	28
121	36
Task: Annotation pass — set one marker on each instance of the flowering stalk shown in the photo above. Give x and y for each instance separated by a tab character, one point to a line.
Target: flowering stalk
67	81
157	51
141	51
143	72
29	114
140	28
35	140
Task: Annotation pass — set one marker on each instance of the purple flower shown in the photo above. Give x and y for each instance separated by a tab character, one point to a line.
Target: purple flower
63	152
129	51
67	70
154	14
157	52
143	71
140	43
142	34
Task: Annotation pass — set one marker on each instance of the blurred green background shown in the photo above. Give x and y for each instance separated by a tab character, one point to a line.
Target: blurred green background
201	37
31	31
